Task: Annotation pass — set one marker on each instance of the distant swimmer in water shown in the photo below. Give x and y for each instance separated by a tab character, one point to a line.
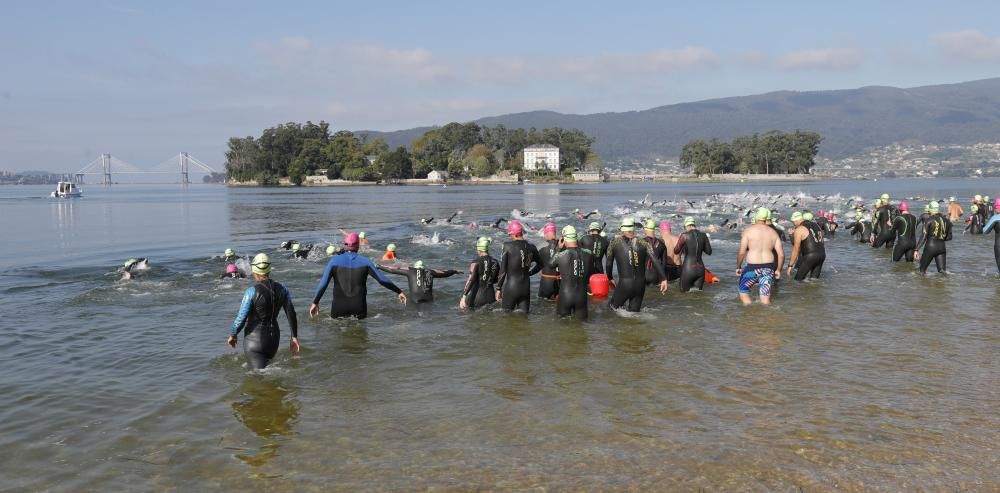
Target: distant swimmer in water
671	261
420	279
593	246
133	266
453	216
905	229
390	252
258	316
232	272
301	251
287	245
548	283
496	224
808	251
692	243
349	273
937	231
332	250
653	278
519	260
362	237
427	220
630	254
573	281
831	224
480	287
758	246
994	225
583	217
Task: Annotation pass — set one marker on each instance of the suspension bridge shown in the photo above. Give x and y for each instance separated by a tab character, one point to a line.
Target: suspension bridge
106	165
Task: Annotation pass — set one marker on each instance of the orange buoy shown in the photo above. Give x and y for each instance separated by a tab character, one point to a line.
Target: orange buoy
599	285
710	278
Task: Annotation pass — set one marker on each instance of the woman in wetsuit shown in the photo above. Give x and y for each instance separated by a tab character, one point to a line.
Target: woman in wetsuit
258	316
692	243
548	284
480	288
420	279
572	277
994	225
349	273
976	221
882	224
904	227
630	253
808	251
518	262
937	231
593	247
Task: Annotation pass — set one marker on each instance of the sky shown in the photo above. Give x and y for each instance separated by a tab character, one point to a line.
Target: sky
146	80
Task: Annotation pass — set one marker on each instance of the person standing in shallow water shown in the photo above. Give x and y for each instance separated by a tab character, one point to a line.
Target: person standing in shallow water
480	288
572	270
631	254
937	231
258	316
349	273
692	243
758	247
994	225
518	262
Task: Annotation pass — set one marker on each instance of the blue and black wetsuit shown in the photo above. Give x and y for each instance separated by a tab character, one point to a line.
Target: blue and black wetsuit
258	319
905	229
573	283
349	273
548	283
421	281
480	288
631	256
693	244
518	262
994	225
937	231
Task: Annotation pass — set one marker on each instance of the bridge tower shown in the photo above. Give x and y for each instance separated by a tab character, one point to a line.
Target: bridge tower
106	165
184	168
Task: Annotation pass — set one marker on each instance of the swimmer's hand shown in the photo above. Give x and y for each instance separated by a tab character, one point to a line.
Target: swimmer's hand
231	341
402	298
916	255
611	283
461	303
663	287
777	275
739	271
313	310
295	345
499	296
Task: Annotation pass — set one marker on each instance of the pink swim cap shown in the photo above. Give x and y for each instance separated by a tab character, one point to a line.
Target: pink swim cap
231	269
996	204
829	215
664	226
351	241
549	228
822	212
903	206
514	228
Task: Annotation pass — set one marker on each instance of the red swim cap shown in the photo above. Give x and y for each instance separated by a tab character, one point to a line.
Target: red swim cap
514	228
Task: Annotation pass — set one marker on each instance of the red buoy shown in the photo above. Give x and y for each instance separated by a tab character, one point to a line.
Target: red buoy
599	285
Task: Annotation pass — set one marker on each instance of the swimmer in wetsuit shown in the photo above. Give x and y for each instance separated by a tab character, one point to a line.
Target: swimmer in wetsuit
301	251
861	228
496	224
548	283
593	246
757	247
349	273
288	245
904	227
937	231
975	221
420	279
671	261
519	261
573	282
390	252
133	266
229	255
994	225
659	252
258	316
480	287
232	272
692	243
882	224
631	254
808	251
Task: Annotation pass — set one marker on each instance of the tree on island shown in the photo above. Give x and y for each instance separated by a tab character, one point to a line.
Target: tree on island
774	152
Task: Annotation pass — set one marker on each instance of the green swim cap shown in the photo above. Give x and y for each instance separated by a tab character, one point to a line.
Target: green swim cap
483	244
934	206
391	247
649	224
857	214
295	247
229	253
594	226
761	214
261	264
628	224
979	198
130	262
361	235
689	221
808	216
330	250
569	233
885	197
797	216
419	264
975	208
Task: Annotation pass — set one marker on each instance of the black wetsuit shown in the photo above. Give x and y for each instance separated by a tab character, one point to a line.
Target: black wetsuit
994	225
573	283
421	281
783	237
548	283
976	222
594	247
904	227
303	251
496	224
882	228
232	275
937	231
258	319
812	253
480	288
861	230
631	256
659	252
693	244
349	273
516	270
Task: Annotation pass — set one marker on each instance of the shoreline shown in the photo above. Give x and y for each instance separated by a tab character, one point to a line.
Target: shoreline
316	182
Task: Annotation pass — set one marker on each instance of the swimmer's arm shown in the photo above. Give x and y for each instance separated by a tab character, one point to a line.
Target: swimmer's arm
708	245
241	317
657	264
503	270
293	320
384	281
780	248
392	270
538	261
609	262
947	229
796	246
679	246
744	245
444	273
324	282
473	273
992	223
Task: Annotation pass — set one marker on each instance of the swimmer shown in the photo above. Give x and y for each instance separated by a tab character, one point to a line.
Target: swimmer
390	252
362	237
831	224
631	255
692	243
301	251
937	231
861	228
480	287
332	250
229	255
758	246
882	224
904	227
573	281
955	210
994	225
519	261
287	245
453	216
427	220
975	221
659	252
133	266
349	273
548	284
593	246
496	224
807	241
420	279
258	316
671	261
232	272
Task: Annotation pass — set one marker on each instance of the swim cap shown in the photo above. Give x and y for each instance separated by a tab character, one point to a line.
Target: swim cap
996	204
391	247
284	244
628	224
933	206
295	247
797	216
483	244
604	234
979	198
951	199
885	197
594	226
829	215
514	228
229	253
261	264
351	240
664	226
858	215
761	214
975	208
549	227
689	221
130	262
419	264
650	225
808	216
822	212
569	233
330	250
231	269
361	235
903	206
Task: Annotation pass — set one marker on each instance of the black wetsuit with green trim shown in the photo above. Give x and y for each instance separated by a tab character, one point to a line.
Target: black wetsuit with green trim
937	231
659	251
812	253
631	256
860	230
882	227
421	281
480	288
593	247
548	282
518	262
573	283
693	244
904	227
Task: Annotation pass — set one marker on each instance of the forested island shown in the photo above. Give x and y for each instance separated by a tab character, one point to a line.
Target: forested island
296	150
774	152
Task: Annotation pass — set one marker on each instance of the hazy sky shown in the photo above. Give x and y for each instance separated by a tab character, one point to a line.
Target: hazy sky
144	80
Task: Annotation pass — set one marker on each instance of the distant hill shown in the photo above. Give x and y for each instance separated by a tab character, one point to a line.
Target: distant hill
849	120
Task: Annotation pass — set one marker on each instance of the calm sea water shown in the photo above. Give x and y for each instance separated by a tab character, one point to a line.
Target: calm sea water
873	378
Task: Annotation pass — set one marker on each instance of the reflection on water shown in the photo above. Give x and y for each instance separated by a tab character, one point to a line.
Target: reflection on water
269	412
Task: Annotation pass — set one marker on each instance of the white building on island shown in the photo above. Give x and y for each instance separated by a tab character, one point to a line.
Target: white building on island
541	156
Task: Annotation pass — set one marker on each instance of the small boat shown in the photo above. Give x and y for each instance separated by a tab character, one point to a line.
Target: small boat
66	189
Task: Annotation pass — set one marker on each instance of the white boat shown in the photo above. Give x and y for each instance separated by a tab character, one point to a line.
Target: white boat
67	189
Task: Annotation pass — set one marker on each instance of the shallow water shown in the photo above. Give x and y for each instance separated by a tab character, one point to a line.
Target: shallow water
872	378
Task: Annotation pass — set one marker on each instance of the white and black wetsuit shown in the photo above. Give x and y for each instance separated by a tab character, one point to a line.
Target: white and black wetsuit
937	231
421	281
258	319
548	283
812	253
692	244
480	287
349	273
904	227
631	256
573	283
518	262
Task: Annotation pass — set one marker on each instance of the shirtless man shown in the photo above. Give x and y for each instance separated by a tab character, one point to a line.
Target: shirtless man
758	246
954	210
671	261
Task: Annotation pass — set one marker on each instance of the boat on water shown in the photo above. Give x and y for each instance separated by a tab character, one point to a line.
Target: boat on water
66	189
